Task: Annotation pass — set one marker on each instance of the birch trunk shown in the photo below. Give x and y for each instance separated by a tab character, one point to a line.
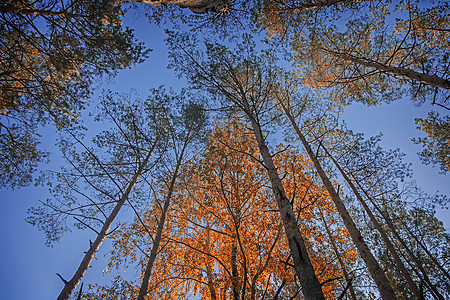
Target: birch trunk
234	272
390	247
209	268
384	287
70	286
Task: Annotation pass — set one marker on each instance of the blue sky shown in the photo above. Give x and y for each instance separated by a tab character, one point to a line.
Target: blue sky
29	267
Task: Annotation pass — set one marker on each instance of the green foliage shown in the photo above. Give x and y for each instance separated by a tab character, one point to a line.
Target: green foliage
436	144
51	54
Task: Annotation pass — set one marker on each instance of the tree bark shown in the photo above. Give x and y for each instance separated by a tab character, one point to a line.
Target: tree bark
390	247
70	286
196	6
209	268
234	272
384	287
419	265
432	80
311	287
338	255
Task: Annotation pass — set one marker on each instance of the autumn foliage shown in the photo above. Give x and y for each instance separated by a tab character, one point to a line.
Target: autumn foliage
222	205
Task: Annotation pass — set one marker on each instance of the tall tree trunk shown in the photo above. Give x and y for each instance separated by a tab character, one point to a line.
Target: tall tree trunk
416	260
430	255
160	228
70	286
339	258
315	5
432	80
311	287
196	6
384	287
390	247
234	272
209	268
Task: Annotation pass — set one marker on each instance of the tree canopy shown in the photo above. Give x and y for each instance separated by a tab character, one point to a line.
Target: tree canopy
246	183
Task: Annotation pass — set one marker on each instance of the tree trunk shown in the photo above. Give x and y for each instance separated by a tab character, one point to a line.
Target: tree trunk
430	255
311	287
234	272
338	255
209	268
432	80
390	247
196	6
307	5
159	230
84	265
384	287
419	265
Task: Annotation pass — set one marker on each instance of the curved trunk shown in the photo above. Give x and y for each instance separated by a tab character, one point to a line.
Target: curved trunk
428	79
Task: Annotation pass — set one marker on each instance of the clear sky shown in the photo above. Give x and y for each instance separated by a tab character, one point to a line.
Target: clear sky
28	267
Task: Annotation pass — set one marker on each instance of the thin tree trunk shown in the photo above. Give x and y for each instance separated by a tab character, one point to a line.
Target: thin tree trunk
338	255
390	247
419	265
234	272
209	269
427	251
70	286
311	287
384	287
160	228
432	80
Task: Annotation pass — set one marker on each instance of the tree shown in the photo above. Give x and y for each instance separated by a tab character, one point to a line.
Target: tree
373	175
437	142
371	58
190	127
285	101
196	6
51	53
100	182
223	238
247	82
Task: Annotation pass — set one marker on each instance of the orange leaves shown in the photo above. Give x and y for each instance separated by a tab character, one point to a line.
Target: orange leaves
222	202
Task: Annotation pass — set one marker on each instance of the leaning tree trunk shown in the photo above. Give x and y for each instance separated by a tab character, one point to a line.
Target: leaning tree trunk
70	285
159	230
424	78
311	287
197	6
389	246
384	287
347	278
416	260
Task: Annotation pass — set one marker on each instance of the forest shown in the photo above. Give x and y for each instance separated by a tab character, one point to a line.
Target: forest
236	175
